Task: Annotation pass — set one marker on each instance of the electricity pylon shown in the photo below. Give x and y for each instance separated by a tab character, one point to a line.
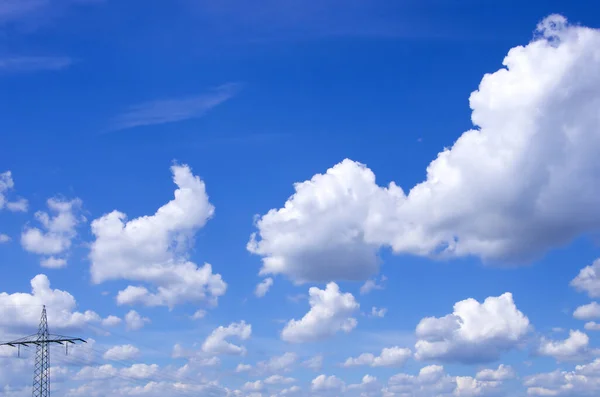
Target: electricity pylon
42	341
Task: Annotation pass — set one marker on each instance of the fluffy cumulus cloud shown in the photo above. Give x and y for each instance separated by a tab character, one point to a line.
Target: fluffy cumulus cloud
431	380
536	126
502	373
216	342
588	280
6	185
584	380
434	381
111	321
20	312
592	326
154	249
122	352
330	312
135	321
389	357
369	386
575	347
263	287
587	312
328	383
58	229
474	332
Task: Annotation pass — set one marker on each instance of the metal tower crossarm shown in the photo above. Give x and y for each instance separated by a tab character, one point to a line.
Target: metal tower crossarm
42	340
33	340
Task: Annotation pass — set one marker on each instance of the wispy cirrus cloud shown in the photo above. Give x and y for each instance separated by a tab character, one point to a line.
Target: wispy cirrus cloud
24	64
173	110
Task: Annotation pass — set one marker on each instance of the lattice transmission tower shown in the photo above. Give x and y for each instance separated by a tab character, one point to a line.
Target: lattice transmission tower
42	341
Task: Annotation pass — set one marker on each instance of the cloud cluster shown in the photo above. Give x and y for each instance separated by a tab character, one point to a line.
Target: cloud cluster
434	381
154	249
502	192
474	332
330	312
584	380
58	232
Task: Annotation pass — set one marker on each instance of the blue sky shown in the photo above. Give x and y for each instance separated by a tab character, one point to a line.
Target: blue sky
236	121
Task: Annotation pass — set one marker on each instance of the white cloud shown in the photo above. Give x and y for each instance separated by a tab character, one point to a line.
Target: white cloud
216	342
263	287
583	381
20	312
206	361
375	312
315	363
433	381
111	321
474	332
58	232
140	371
101	372
389	357
243	367
592	326
369	386
328	383
122	352
530	139
575	347
7	184
199	314
504	372
279	380
371	285
588	280
587	312
467	386
53	263
107	371
4	238
278	363
254	386
154	249
290	391
134	321
330	312
195	358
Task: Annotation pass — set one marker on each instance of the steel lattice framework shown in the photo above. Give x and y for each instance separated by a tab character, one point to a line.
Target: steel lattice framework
42	341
